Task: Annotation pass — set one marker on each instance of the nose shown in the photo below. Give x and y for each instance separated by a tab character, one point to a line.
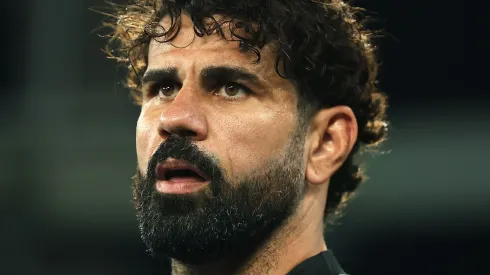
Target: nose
183	117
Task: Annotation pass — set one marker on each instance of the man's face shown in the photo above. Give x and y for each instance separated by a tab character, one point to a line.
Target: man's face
234	125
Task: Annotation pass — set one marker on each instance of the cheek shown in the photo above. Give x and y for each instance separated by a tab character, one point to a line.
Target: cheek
146	133
253	138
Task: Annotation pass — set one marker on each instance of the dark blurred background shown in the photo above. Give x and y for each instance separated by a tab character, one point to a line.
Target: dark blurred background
68	152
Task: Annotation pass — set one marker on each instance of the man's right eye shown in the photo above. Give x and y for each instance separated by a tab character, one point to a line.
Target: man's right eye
167	90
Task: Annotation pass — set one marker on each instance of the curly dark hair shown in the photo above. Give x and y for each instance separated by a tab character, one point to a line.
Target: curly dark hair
321	46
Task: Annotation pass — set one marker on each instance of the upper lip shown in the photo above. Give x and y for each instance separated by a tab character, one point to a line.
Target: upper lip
169	164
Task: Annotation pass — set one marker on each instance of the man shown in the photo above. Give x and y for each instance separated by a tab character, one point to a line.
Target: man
251	115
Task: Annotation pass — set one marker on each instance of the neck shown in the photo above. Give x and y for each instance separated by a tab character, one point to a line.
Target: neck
300	238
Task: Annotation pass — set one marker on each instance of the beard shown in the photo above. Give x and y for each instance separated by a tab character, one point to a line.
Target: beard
229	217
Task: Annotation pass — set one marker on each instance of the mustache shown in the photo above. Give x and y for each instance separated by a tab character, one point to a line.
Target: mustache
185	149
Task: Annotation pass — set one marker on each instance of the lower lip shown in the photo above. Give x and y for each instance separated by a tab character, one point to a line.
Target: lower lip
170	187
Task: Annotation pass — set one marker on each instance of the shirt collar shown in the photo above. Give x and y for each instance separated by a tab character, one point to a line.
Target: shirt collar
322	263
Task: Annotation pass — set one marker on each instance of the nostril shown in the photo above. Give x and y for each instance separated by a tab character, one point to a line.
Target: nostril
184	125
185	133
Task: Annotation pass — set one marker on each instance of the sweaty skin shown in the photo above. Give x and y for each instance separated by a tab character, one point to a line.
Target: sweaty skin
232	128
243	130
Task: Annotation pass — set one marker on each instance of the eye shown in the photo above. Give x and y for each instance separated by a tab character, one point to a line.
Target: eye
233	90
167	90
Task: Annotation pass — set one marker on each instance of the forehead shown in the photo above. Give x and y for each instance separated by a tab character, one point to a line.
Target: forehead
186	48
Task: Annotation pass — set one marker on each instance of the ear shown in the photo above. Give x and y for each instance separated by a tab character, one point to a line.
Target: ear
331	137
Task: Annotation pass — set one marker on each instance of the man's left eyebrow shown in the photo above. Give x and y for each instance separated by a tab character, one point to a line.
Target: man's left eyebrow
228	74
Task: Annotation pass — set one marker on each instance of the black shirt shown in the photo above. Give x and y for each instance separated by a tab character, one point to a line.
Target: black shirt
323	263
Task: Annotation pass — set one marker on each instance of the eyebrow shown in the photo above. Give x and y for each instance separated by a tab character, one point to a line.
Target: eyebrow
209	76
227	74
157	75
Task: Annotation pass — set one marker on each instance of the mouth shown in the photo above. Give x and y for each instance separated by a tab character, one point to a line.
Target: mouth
178	176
